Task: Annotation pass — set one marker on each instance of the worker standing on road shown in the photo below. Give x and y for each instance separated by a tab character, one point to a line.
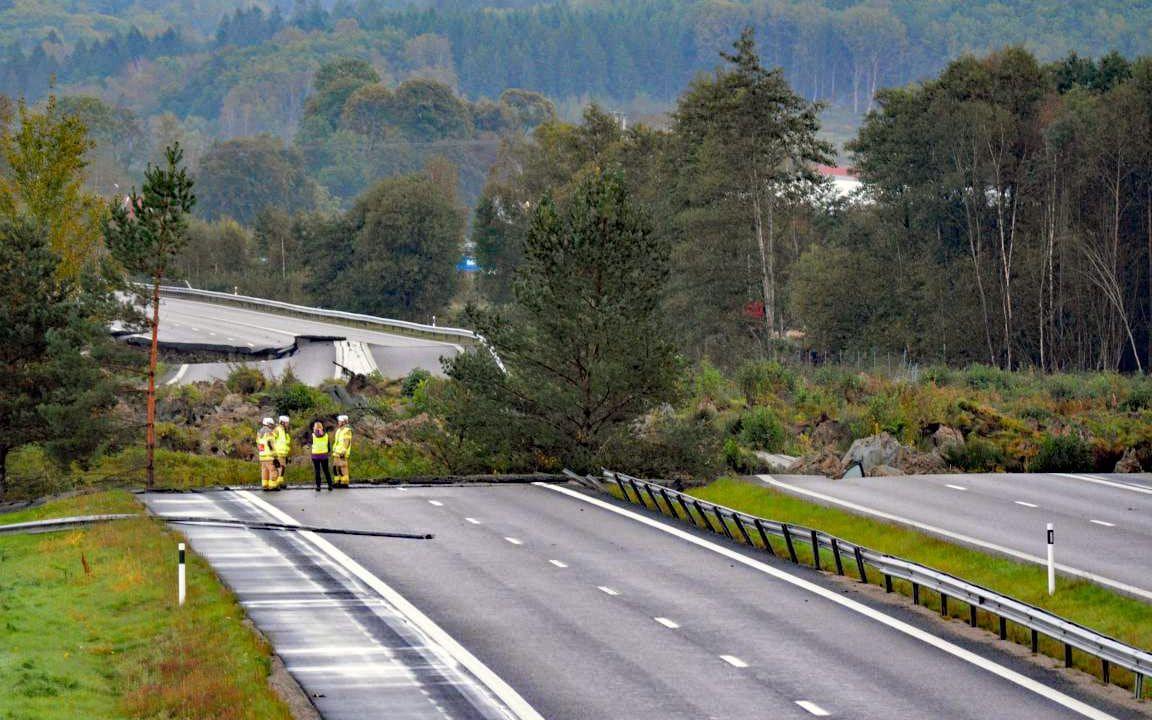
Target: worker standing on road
341	449
282	445
269	475
321	445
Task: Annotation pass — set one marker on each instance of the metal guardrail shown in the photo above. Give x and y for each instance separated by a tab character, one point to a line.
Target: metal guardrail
284	308
749	529
64	523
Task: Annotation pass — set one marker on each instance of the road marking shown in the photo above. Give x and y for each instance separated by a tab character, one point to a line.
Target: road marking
179	374
501	689
667	623
1025	504
607	590
514	541
1109	483
734	661
474	521
813	708
558	564
437	503
1103	522
951	648
960	537
957	487
251	345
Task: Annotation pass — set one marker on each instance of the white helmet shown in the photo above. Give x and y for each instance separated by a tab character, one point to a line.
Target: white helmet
283	418
267	421
341	418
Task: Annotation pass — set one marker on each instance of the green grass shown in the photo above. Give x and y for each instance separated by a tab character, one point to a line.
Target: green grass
1123	618
101	503
89	626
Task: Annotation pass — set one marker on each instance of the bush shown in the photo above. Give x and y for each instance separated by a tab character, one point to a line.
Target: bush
245	380
294	397
986	377
1063	453
761	429
976	455
1139	398
760	380
685	450
415	378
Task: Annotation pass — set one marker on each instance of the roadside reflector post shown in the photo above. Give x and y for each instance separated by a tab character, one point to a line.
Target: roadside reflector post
181	578
1051	560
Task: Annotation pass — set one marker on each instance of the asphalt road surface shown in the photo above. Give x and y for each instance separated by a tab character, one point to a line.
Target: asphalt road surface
1103	522
194	325
593	610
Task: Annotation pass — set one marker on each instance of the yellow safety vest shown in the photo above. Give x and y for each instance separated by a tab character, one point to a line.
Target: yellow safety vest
282	442
264	440
320	444
342	445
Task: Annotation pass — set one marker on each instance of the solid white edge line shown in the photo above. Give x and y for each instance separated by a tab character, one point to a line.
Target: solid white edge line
813	708
1109	483
1105	523
960	537
179	374
501	689
952	649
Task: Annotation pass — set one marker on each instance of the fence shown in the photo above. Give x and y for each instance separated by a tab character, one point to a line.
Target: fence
748	529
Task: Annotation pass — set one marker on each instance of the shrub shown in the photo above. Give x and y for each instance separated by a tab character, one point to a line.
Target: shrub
413	380
245	380
1063	453
1139	397
760	380
292	397
761	429
986	377
976	455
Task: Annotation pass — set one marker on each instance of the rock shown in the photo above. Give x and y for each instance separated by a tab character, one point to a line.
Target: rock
882	449
1129	463
918	463
231	401
946	437
828	433
884	471
826	463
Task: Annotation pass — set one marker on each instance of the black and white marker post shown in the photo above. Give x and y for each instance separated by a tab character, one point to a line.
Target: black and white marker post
180	575
1051	560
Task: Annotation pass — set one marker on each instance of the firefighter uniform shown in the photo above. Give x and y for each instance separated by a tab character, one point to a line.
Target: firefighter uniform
282	447
341	449
269	475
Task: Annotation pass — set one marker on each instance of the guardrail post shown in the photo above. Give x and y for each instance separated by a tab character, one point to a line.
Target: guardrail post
743	530
1003	628
1138	686
623	488
815	550
723	523
943	605
915	593
788	543
636	489
887	583
1106	671
655	502
1035	641
860	564
763	536
836	557
671	508
971	614
1067	655
687	511
703	515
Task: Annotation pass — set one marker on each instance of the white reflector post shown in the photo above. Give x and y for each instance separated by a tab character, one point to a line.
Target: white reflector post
1051	560
181	588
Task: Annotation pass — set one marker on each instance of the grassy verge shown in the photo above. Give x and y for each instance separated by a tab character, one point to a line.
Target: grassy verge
89	626
1123	618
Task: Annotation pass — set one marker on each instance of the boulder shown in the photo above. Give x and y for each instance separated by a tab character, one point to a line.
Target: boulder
1129	463
884	471
918	463
826	463
828	433
946	437
882	449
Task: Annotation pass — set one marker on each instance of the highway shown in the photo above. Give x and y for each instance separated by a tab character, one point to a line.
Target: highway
584	608
1103	522
204	326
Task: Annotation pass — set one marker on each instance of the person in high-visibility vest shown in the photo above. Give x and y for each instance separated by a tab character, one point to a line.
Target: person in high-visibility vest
341	449
282	446
264	437
321	447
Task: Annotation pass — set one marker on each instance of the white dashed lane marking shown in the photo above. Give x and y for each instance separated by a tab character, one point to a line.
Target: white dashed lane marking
437	503
667	623
957	487
1103	522
558	564
813	708
734	661
474	521
514	541
1025	504
606	590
